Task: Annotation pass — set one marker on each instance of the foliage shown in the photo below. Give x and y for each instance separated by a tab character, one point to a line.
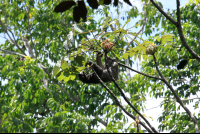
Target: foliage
40	92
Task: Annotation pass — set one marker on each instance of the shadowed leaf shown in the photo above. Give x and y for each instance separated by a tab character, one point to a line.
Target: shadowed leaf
116	2
79	60
63	6
107	2
182	64
101	2
93	4
76	14
83	10
128	2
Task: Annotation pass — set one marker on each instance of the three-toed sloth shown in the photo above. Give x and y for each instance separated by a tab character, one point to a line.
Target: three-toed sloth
100	70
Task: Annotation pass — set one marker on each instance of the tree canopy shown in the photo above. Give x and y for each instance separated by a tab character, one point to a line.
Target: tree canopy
45	44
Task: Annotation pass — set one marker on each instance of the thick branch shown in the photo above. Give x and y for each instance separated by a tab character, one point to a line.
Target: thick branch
163	12
180	32
125	98
176	96
120	105
178	26
28	47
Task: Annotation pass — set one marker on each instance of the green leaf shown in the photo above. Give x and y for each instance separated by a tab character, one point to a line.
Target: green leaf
72	77
157	38
56	70
89	18
79	60
64	64
106	22
101	2
60	78
118	116
125	56
79	69
127	21
71	57
166	38
66	79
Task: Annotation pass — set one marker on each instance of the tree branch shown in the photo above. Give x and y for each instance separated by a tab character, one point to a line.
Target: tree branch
176	96
163	12
29	29
143	25
125	98
11	52
12	41
178	26
140	72
28	47
120	105
180	32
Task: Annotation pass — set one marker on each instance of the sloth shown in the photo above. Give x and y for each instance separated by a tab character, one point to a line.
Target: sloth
101	72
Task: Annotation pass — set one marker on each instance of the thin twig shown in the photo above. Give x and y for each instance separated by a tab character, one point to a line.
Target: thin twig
11	52
115	42
94	38
183	99
139	72
143	25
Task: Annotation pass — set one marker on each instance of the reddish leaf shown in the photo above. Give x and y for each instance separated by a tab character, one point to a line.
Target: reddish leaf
107	2
63	6
83	10
93	4
128	2
76	14
116	2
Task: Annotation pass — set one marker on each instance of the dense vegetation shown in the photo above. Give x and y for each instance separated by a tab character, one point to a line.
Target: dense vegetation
42	52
